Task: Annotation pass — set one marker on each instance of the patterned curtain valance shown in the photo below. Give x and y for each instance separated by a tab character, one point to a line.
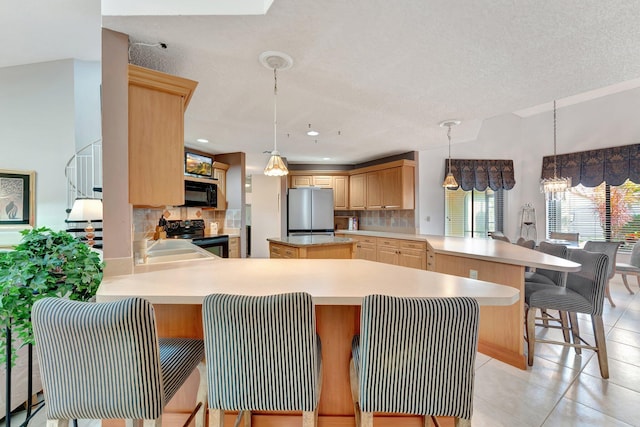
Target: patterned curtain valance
591	168
480	174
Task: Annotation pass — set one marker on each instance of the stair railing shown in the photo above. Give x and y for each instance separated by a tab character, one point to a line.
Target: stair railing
84	173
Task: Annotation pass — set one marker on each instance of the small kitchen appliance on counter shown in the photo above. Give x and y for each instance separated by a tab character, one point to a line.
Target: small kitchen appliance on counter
194	231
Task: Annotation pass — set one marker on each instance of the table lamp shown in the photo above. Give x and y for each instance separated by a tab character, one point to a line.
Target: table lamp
87	210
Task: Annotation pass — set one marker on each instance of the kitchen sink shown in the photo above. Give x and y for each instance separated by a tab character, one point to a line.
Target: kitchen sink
168	250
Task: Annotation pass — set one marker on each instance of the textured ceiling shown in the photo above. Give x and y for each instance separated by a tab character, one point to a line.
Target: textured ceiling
376	77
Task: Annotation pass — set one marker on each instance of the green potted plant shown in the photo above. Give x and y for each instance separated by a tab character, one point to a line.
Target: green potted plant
45	264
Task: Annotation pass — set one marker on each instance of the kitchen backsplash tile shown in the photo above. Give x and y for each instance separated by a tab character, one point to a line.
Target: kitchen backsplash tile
400	221
146	220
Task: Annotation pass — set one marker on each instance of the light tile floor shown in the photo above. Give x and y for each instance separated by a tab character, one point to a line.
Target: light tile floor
561	388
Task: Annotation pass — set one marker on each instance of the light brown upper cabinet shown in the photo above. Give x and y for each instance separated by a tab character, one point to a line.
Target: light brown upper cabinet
157	102
386	186
357	191
341	192
322	181
220	174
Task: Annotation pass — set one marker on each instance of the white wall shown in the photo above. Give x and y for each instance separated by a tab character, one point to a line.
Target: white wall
37	131
604	122
266	213
87	79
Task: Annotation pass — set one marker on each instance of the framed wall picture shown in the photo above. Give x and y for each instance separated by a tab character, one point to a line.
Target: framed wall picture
17	197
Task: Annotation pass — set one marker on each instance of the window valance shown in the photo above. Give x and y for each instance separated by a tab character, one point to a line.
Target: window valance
480	174
591	168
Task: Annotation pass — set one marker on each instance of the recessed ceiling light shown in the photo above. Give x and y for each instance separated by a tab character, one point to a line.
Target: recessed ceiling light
202	140
326	158
312	132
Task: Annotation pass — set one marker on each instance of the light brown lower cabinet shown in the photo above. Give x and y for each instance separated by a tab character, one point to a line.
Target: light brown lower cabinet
406	253
388	250
365	247
282	251
234	247
341	250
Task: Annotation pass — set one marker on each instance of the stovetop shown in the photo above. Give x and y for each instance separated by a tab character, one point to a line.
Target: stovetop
187	229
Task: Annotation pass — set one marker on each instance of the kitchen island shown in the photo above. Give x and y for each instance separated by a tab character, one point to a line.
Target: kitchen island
311	247
337	288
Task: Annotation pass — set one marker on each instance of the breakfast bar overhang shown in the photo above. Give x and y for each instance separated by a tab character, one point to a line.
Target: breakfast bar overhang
337	288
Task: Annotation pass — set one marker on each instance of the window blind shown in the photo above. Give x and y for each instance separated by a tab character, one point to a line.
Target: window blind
606	212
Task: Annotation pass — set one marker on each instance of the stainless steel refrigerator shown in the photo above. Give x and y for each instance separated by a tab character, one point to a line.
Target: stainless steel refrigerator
309	211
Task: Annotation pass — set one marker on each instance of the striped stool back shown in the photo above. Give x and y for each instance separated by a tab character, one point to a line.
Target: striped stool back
416	356
262	353
104	360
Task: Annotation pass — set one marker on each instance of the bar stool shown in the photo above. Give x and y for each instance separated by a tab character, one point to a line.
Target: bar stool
263	354
542	278
104	361
611	250
415	356
583	293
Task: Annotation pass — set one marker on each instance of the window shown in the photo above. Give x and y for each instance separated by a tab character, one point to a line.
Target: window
473	213
605	212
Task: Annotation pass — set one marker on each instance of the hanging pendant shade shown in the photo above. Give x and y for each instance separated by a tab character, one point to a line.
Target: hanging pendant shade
450	182
275	61
276	166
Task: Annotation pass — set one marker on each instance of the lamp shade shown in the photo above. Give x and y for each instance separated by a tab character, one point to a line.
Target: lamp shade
276	166
86	210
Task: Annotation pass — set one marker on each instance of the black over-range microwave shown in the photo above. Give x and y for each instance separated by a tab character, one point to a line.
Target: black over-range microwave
203	194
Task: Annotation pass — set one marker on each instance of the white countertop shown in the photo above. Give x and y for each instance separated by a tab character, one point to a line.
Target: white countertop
311	240
329	281
485	249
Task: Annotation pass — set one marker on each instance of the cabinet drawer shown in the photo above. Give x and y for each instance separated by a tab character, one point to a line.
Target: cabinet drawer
410	244
389	243
281	251
363	239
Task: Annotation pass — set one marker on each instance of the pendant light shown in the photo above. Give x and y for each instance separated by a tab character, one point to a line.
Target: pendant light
449	181
554	188
275	61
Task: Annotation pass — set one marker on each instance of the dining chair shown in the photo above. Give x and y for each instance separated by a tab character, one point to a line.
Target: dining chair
632	268
573	238
415	356
263	354
583	293
611	250
105	361
497	235
529	244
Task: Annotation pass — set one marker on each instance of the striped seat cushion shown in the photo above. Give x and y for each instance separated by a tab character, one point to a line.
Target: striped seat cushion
531	287
416	356
534	277
262	353
178	358
558	298
102	360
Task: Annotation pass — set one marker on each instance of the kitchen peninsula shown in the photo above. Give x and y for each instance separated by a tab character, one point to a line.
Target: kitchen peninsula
311	247
501	328
337	287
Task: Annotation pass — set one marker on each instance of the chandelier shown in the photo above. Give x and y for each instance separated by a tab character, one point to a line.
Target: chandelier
449	181
275	61
554	188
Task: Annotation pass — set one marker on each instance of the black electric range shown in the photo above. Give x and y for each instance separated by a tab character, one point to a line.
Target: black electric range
194	230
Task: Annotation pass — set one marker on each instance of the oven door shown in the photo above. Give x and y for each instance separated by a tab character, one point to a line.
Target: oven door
217	245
